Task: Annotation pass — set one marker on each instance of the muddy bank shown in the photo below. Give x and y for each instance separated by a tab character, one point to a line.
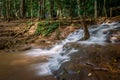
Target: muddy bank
20	35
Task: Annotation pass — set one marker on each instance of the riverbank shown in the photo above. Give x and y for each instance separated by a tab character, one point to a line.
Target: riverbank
20	35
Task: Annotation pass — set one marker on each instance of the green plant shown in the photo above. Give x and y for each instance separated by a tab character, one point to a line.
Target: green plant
45	28
53	26
29	23
39	29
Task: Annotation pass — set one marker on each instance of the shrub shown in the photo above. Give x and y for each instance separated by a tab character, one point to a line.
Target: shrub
45	28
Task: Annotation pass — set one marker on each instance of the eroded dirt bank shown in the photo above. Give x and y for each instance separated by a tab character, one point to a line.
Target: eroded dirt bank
20	35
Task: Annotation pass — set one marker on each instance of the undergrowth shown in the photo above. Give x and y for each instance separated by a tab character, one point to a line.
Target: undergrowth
45	28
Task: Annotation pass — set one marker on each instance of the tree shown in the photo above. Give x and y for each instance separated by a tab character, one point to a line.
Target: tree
59	4
23	9
31	8
52	12
8	10
86	32
41	9
104	8
95	9
60	8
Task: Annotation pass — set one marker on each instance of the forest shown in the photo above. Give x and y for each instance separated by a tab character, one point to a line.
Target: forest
59	39
51	9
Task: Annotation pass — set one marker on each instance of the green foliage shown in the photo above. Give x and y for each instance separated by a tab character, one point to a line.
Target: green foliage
29	23
68	8
45	28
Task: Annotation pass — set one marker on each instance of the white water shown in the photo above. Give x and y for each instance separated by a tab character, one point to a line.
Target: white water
55	59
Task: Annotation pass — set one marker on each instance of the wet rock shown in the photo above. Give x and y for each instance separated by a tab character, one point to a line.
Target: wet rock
114	36
93	61
90	74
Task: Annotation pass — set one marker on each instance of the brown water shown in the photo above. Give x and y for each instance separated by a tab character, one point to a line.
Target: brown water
17	66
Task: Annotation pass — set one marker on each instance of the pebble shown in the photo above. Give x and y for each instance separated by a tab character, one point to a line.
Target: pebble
90	74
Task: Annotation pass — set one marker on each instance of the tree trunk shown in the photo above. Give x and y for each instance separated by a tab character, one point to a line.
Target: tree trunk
41	9
31	9
23	9
86	31
38	10
0	8
78	3
59	11
95	9
85	8
104	9
8	10
51	9
14	4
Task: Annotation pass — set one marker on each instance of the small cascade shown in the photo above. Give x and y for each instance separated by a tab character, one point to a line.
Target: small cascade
98	35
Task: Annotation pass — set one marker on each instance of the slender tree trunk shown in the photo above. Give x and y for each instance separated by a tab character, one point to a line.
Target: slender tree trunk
104	8
15	8
38	10
59	12
8	10
95	9
14	4
0	8
70	11
85	8
4	9
78	3
31	9
51	9
23	9
41	9
86	31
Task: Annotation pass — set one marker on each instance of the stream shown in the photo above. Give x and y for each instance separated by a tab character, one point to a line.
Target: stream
70	59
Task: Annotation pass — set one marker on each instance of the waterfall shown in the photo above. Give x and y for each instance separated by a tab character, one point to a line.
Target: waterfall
98	35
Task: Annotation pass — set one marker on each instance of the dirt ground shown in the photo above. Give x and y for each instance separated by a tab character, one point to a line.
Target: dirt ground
19	35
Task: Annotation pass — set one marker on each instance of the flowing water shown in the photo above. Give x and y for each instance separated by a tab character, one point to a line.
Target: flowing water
36	62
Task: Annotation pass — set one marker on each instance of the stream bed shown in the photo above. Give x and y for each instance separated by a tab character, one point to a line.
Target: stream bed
97	58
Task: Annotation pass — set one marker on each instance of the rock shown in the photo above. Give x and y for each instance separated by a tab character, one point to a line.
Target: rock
90	74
